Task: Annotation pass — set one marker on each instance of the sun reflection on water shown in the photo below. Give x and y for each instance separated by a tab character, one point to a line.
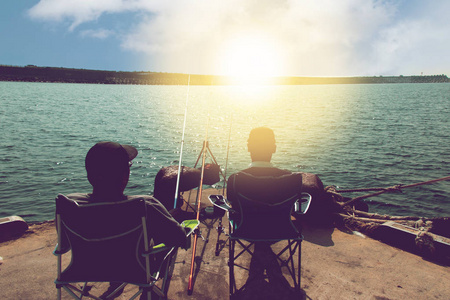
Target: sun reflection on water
304	119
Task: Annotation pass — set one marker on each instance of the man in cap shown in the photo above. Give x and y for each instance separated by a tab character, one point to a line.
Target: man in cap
108	169
261	145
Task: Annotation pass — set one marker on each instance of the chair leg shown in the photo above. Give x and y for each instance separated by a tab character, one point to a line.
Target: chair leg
296	274
220	230
298	288
114	290
146	294
168	272
231	268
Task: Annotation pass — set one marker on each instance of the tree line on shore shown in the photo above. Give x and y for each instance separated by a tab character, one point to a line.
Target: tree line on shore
33	73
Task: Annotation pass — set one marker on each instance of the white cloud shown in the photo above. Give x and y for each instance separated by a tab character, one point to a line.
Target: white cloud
97	33
82	11
317	38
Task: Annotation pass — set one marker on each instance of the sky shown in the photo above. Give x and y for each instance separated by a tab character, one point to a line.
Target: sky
232	37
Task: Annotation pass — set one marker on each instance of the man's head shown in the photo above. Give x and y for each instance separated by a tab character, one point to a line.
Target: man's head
108	166
261	144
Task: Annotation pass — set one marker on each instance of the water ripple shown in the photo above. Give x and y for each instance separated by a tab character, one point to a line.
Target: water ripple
353	136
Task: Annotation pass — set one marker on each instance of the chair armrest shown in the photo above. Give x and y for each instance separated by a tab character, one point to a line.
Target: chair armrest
156	249
220	201
57	252
190	226
302	204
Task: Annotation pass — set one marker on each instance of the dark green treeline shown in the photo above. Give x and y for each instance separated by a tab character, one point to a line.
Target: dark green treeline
33	73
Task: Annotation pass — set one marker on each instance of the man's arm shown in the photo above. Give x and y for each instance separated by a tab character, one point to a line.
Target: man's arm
162	226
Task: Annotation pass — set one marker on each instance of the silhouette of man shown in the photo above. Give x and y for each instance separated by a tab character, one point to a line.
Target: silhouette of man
262	145
108	170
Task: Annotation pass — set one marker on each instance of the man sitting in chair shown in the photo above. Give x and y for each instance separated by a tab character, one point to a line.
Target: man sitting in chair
108	169
261	145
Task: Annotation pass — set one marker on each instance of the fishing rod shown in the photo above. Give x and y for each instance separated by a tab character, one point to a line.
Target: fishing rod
182	144
199	197
203	153
220	228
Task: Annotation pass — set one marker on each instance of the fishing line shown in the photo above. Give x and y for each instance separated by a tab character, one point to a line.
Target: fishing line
226	161
182	143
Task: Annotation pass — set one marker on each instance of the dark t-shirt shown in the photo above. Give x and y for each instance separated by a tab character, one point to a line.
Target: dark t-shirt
311	184
263	171
257	171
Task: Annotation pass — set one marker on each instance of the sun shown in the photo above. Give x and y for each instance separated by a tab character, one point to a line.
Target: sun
250	58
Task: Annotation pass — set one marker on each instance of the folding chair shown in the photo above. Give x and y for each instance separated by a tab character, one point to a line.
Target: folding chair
109	242
262	209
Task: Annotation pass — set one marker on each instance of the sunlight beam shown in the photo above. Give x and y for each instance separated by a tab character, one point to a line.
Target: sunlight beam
251	58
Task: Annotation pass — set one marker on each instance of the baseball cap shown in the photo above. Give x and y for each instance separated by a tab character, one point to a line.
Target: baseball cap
109	156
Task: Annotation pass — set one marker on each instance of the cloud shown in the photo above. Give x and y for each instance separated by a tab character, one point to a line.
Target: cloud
316	38
82	11
97	33
77	12
415	44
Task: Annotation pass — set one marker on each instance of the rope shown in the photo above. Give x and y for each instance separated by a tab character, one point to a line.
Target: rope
424	240
428	229
395	188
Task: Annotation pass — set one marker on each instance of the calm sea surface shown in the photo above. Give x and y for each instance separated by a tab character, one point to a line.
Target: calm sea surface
352	136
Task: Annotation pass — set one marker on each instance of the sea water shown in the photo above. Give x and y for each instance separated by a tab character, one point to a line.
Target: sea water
352	136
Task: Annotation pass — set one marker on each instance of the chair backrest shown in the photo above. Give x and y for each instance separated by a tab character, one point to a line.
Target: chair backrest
264	205
106	240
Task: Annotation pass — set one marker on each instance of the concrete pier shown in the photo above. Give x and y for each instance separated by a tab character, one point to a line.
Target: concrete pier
335	265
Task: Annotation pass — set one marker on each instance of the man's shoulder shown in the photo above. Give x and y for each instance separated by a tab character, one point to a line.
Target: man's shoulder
79	196
85	197
258	171
147	198
150	201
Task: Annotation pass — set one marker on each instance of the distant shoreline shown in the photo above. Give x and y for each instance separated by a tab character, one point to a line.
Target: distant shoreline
33	73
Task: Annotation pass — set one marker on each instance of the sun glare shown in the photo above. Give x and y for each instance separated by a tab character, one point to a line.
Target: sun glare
251	59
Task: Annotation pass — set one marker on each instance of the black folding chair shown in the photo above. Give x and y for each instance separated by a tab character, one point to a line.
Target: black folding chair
261	212
109	242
